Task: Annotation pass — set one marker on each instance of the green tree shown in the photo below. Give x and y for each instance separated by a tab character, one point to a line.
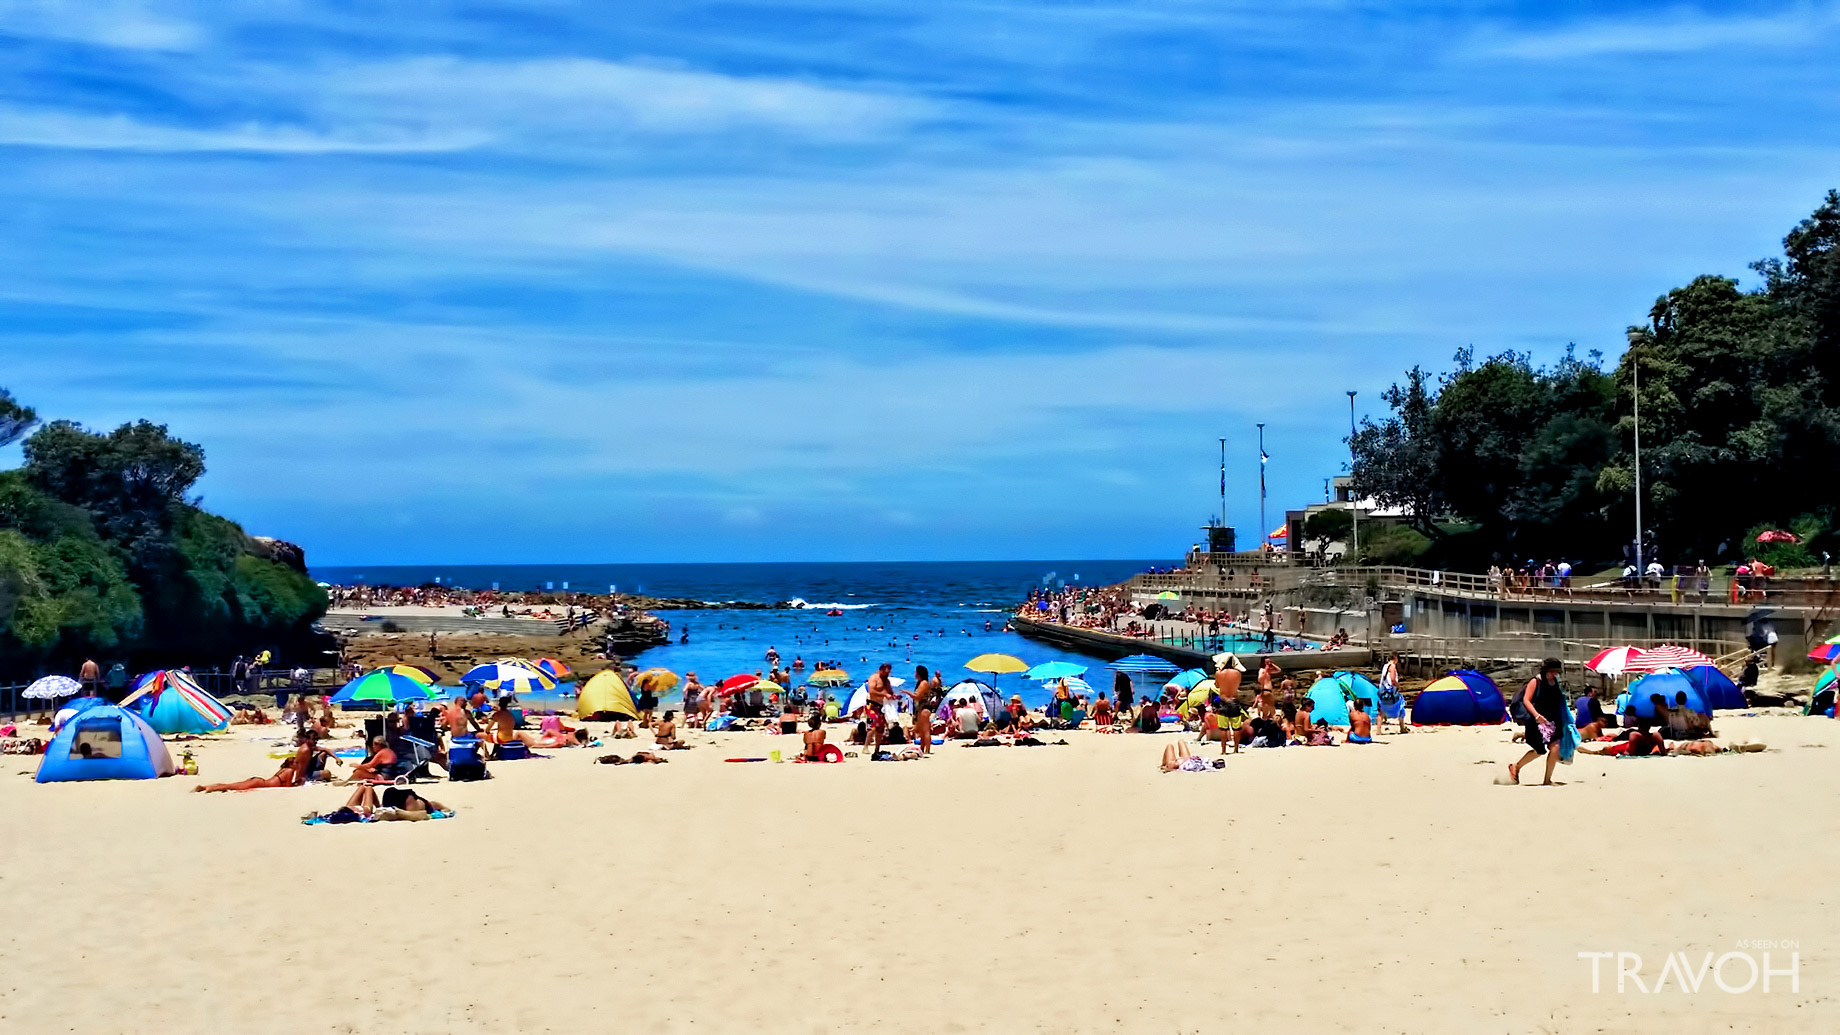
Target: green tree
1325	527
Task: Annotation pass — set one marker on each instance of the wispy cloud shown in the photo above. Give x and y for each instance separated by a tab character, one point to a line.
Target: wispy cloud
1675	32
59	129
110	23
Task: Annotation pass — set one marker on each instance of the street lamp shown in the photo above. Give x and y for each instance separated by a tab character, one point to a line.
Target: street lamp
1354	509
1635	370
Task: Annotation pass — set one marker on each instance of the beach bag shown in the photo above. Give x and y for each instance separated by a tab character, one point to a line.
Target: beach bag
1517	705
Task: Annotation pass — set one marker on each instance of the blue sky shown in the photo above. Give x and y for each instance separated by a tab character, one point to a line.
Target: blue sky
784	281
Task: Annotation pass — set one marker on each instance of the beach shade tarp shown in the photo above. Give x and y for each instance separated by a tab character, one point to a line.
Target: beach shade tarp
829	677
509	678
1148	664
1056	670
383	686
1715	687
1669	684
605	694
171	702
1462	698
121	746
51	687
997	664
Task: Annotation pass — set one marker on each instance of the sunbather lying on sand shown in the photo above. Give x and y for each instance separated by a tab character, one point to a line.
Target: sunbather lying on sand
366	800
292	773
638	758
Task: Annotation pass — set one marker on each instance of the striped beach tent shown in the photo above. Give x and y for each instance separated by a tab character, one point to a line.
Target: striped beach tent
172	702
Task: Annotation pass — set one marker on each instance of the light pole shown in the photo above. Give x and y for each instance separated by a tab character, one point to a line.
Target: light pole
1354	509
1223	483
1263	542
1635	370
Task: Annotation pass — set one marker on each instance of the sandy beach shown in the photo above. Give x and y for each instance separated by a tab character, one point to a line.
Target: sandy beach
1386	888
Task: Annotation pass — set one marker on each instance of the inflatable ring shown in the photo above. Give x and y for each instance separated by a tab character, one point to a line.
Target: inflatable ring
831	753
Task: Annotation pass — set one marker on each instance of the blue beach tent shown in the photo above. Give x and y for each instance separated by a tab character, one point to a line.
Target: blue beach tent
1715	687
1462	698
105	743
1668	683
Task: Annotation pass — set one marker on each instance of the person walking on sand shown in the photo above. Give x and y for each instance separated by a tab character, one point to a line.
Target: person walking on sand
1391	705
1542	701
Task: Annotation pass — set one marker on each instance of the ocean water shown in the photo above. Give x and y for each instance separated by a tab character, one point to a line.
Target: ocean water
905	613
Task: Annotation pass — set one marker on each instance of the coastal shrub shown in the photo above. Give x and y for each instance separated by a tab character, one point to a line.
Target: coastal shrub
1393	544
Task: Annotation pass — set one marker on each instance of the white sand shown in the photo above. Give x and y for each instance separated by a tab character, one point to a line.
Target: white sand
1392	888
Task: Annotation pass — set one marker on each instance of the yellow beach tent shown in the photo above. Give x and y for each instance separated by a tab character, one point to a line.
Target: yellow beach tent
606	694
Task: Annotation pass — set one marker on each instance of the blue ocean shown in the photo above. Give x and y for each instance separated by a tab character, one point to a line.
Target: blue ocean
934	613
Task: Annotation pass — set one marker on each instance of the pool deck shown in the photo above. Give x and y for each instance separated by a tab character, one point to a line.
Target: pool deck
1117	645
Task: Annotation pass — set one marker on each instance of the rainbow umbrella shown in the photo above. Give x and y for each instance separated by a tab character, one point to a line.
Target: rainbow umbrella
829	677
384	687
1825	652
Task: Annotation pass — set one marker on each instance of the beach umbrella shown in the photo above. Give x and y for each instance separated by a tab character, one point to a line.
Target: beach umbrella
384	687
1777	535
1148	664
510	678
1281	532
829	677
1825	652
1655	659
1187	679
1075	685
1669	684
52	686
1056	669
740	681
1612	662
657	680
415	672
997	664
557	670
1169	594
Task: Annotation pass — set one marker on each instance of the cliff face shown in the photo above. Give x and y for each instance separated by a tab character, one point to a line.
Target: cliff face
280	551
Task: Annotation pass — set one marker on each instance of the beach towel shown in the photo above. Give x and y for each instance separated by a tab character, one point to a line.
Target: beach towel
343	816
1568	736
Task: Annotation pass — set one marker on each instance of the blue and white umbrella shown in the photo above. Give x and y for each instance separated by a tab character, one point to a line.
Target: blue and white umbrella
52	686
1148	664
1075	685
508	679
1056	670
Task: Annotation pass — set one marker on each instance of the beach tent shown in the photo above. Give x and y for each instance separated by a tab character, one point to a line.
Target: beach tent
105	743
1823	698
73	708
1668	683
1327	703
962	693
1462	698
172	703
606	695
1187	679
1715	687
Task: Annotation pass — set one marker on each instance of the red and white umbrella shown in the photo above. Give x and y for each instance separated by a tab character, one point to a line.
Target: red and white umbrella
1613	662
1669	656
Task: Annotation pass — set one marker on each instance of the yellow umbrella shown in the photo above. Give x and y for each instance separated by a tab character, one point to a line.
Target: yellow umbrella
997	664
659	680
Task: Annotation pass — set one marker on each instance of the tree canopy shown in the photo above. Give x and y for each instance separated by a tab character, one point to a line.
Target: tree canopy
102	554
1740	416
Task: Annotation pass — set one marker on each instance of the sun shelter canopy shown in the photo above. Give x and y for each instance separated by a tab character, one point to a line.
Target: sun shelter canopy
606	694
1462	698
1716	688
1669	684
105	743
178	705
